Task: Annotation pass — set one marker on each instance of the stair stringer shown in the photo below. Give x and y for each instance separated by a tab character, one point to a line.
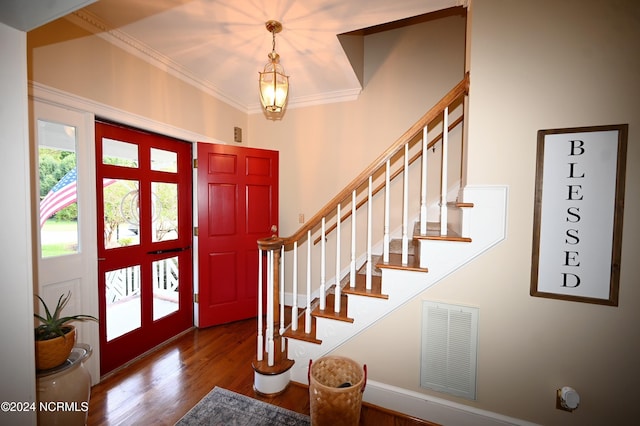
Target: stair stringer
486	224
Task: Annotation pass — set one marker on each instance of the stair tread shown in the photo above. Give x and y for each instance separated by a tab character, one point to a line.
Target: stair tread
360	287
299	334
434	234
395	262
329	312
278	367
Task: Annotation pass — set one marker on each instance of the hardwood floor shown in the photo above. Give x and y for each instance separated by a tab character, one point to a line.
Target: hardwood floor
161	387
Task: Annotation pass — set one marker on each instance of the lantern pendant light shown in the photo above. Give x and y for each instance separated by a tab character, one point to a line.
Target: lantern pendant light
274	84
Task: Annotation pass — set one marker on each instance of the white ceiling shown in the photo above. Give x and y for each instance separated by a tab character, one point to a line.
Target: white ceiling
221	45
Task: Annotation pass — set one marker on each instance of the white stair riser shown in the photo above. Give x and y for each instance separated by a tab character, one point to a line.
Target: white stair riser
486	223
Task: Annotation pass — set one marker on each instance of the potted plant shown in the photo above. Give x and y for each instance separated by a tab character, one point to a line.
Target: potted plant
55	337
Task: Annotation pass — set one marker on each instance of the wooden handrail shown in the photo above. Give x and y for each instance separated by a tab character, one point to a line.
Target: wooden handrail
460	89
393	175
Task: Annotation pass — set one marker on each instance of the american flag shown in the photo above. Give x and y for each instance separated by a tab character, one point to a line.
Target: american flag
60	196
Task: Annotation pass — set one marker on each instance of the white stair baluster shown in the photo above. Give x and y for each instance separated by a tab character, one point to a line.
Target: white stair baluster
369	232
281	301
423	194
270	318
323	264
294	308
337	307
443	178
307	313
385	239
405	208
352	271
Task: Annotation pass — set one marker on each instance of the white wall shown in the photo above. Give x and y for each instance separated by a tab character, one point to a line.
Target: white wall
537	65
17	371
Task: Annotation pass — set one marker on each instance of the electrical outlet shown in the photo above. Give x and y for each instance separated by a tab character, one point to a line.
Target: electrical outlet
567	399
301	218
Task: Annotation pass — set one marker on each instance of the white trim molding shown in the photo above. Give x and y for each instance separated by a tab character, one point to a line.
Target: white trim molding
54	96
434	409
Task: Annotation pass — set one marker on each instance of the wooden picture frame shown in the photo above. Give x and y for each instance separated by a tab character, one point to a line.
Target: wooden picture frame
578	213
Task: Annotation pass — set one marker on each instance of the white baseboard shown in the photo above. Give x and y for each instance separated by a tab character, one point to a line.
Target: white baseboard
433	409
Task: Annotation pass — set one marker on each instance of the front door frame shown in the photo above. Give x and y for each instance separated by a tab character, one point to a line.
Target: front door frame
83	284
91	109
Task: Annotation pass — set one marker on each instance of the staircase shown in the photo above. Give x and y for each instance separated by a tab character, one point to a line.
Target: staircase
329	281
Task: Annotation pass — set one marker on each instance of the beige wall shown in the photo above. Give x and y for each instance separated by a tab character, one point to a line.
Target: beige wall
537	65
68	58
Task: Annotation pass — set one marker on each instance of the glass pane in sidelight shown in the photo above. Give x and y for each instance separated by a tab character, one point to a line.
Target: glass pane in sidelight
122	293
58	209
165	287
119	153
164	161
164	211
121	213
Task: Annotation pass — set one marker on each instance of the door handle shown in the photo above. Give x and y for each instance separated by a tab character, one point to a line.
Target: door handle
172	250
274	228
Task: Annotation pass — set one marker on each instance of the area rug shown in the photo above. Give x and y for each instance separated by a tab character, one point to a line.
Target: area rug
221	407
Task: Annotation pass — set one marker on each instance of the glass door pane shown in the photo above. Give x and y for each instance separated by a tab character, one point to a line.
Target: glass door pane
121	212
165	211
58	189
166	287
124	306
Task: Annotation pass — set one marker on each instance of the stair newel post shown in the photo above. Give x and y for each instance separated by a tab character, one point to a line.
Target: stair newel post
369	232
294	308
273	375
260	354
352	271
337	307
307	313
273	248
385	239
405	208
444	168
423	190
323	265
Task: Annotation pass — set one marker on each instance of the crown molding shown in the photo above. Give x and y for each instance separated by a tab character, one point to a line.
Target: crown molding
313	100
131	45
96	26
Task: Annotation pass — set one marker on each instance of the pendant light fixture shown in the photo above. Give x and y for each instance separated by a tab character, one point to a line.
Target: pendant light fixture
274	84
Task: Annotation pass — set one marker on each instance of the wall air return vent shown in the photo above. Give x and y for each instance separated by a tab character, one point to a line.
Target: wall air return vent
449	349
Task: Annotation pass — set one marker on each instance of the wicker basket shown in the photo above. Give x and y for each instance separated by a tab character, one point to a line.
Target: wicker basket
336	385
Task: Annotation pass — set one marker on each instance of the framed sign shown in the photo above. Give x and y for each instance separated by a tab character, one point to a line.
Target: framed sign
579	202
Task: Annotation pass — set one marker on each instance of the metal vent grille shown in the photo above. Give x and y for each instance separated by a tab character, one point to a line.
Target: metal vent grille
449	349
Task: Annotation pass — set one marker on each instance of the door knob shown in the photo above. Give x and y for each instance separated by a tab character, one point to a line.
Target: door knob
274	228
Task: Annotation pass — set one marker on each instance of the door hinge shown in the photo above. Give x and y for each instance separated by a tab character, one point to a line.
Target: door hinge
195	163
195	298
195	231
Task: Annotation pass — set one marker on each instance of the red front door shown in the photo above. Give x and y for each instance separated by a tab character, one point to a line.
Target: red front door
237	205
144	192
